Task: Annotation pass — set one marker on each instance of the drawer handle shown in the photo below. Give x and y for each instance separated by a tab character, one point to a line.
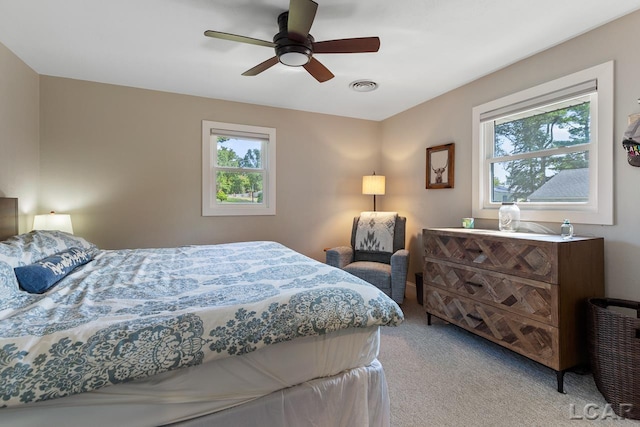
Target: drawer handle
474	317
477	285
475	250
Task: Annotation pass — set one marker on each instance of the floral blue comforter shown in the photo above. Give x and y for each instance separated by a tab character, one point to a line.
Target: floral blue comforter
129	314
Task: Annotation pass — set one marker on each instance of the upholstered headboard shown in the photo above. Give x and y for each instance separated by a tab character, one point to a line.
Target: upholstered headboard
8	217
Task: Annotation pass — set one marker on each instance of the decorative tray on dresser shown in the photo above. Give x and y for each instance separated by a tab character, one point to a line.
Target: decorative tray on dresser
526	292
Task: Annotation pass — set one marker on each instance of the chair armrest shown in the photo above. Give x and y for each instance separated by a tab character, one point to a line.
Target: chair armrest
399	268
340	256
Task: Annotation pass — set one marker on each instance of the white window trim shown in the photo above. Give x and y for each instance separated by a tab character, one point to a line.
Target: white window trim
601	167
209	205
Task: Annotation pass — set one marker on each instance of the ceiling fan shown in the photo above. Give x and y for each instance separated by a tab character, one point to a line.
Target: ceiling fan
294	45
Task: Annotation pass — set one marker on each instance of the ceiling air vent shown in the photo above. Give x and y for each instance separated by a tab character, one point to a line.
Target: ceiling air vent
363	85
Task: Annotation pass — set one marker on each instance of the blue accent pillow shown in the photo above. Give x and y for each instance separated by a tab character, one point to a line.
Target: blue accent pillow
38	277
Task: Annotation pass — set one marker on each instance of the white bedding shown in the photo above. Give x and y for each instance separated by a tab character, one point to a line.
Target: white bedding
182	394
131	314
155	336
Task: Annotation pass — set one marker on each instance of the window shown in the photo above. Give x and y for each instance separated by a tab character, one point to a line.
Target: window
238	169
549	148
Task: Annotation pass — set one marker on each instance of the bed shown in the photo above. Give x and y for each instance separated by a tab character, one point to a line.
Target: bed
249	333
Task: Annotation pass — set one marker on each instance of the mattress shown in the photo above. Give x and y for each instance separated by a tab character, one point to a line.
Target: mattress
314	372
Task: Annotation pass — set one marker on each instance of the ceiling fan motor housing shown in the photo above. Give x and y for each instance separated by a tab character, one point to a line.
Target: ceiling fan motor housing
294	53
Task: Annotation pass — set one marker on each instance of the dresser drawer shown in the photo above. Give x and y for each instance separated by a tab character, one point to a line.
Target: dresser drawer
535	340
534	299
533	259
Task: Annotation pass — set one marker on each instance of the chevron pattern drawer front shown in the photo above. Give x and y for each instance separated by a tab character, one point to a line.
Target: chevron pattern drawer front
537	300
526	292
520	334
532	259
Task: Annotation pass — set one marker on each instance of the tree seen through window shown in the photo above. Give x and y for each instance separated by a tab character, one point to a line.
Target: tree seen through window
239	176
531	149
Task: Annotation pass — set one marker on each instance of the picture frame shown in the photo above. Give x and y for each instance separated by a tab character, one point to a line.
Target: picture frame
440	166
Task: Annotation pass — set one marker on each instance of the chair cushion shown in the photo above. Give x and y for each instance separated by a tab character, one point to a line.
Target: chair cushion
372	256
376	273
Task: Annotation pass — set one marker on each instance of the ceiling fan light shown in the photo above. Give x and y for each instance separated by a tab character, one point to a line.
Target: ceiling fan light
294	59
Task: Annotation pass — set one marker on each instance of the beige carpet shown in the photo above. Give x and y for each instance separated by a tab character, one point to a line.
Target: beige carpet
441	375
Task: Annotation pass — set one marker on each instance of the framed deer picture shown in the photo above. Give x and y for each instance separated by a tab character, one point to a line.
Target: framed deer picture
440	166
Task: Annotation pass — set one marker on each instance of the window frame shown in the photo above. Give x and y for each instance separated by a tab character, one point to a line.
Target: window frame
210	206
599	209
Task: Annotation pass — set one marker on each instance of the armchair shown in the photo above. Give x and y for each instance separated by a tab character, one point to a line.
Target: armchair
387	271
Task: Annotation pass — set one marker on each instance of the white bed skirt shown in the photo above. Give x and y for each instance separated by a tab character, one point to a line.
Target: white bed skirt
276	381
355	398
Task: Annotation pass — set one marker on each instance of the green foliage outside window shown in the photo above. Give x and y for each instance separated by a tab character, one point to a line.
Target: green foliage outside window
245	183
564	127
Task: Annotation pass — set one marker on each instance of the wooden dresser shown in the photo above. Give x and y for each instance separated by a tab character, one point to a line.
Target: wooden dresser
526	292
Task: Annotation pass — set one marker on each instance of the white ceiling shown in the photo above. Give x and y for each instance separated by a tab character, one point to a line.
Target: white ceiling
428	47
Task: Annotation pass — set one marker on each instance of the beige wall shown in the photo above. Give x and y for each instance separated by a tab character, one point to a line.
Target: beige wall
448	119
126	163
19	134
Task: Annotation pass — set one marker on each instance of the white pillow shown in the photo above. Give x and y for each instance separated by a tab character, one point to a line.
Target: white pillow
31	247
26	249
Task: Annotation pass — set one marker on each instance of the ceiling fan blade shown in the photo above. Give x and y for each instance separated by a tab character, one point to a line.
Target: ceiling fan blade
318	71
301	15
261	67
236	38
355	45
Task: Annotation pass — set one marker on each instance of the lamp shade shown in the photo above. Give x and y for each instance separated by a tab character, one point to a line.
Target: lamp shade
53	221
373	184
